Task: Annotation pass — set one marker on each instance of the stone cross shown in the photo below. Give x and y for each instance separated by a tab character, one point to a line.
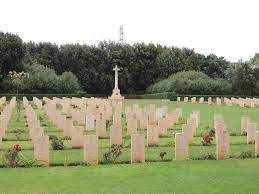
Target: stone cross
116	70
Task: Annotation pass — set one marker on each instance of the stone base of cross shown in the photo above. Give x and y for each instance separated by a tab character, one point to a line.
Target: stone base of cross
116	95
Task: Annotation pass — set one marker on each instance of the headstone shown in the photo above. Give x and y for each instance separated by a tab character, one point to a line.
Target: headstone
209	101
193	100
178	99
162	126
1	143
222	145
100	127
137	148
159	113
41	149
181	147
256	143
132	125
251	130
152	135
244	123
89	122
188	133
68	128
77	137
152	116
185	99
91	149
115	135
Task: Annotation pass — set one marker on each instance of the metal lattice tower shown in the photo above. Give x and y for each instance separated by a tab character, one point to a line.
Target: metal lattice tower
121	34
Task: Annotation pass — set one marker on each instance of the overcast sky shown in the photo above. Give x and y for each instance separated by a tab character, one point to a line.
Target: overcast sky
228	28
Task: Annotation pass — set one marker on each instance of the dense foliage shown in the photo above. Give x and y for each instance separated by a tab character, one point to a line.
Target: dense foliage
12	51
44	80
142	65
191	82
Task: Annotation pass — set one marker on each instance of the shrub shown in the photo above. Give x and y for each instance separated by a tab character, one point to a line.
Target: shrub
51	137
211	132
113	154
246	154
68	83
43	80
209	156
162	155
28	162
57	144
191	82
11	156
67	138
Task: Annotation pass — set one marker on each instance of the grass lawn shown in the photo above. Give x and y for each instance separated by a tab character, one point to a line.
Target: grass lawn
226	177
69	156
232	115
194	176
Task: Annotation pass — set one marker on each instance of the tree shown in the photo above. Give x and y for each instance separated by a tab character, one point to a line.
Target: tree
254	61
214	66
244	80
12	51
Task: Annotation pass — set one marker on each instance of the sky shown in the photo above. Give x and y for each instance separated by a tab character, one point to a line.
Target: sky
228	28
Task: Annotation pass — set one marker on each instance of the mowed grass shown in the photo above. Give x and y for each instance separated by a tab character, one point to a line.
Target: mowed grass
195	177
232	115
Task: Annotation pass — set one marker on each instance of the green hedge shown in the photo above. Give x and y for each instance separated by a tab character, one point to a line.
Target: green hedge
173	96
40	96
166	95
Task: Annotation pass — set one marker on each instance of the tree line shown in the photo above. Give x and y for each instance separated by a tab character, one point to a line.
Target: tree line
141	64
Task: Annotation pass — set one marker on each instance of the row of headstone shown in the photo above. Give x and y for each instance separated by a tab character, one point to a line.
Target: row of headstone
65	125
195	100
249	102
37	102
189	129
40	142
5	117
2	100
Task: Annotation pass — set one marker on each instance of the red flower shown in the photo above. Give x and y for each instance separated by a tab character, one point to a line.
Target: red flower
207	138
17	148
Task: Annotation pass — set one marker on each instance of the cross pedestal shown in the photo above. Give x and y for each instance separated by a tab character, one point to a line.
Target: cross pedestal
116	95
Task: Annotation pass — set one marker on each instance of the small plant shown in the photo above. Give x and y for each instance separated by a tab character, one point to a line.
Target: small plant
66	161
162	155
18	133
108	124
211	132
232	133
67	138
28	162
210	156
11	156
41	118
206	140
51	137
182	121
246	154
57	144
113	154
244	133
171	143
